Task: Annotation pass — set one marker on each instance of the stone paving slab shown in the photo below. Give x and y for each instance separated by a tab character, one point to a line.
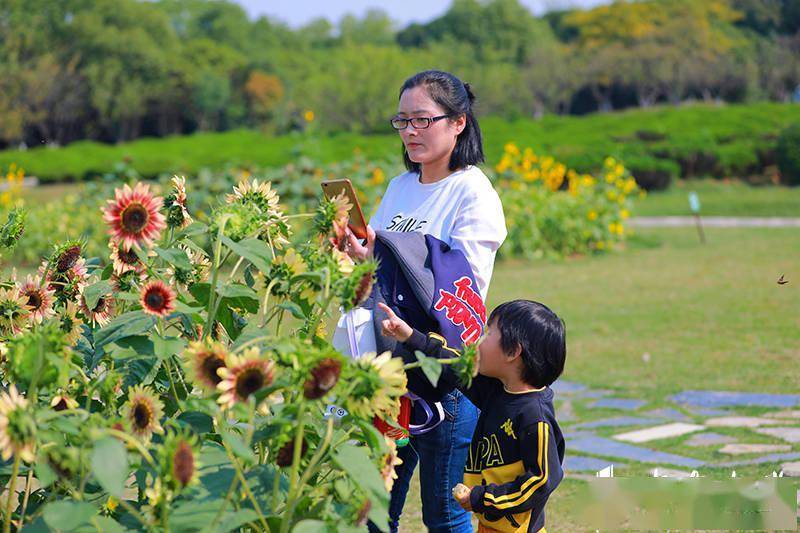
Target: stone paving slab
709	439
788	413
567	387
625	404
787	434
611	448
676	429
618	421
791	469
744	449
730	399
580	463
707	411
741	421
668	413
772	458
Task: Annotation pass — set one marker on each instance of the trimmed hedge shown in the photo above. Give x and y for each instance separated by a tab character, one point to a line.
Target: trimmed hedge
787	155
687	141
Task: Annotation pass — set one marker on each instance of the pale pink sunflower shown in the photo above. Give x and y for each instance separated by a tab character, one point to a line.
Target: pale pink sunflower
134	216
157	298
244	375
101	313
40	299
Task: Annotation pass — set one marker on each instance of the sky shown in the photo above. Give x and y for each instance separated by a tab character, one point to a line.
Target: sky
298	12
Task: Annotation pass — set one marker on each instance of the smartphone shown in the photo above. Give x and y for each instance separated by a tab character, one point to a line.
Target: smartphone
357	223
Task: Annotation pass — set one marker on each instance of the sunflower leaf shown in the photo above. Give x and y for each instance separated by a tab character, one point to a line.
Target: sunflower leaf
430	366
110	465
127	325
175	257
358	465
94	292
254	250
239	448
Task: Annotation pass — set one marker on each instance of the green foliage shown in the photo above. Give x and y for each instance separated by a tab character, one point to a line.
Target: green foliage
117	70
688	133
788	155
163	402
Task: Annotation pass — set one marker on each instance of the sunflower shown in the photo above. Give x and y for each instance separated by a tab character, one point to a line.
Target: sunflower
66	285
101	313
157	298
17	427
69	324
39	299
343	261
133	216
14	311
389	461
468	363
204	359
175	204
356	288
285	455
323	378
243	376
332	217
125	260
260	194
67	255
143	410
62	402
293	261
178	459
377	385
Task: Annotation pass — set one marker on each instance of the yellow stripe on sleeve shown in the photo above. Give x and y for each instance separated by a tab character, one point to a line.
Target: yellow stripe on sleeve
513	499
444	344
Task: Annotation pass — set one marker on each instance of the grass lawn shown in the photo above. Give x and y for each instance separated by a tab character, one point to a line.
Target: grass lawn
711	317
718	198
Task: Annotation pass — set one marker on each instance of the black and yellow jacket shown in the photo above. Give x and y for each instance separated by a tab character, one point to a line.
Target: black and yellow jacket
515	457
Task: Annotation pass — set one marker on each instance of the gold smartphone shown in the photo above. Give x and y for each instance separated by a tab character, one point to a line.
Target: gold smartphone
357	223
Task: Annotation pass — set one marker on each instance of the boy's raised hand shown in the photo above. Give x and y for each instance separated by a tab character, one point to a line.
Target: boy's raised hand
394	327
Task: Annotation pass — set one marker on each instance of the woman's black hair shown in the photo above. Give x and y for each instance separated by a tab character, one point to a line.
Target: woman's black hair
540	335
456	99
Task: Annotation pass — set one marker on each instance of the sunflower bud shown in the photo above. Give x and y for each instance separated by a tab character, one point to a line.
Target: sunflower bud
323	378
285	455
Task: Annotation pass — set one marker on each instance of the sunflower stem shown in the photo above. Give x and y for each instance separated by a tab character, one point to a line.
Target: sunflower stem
246	487
312	329
263	311
172	385
298	446
235	268
12	483
133	442
310	470
135	513
212	291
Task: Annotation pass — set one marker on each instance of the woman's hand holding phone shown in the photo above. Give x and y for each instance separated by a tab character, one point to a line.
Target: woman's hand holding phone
355	249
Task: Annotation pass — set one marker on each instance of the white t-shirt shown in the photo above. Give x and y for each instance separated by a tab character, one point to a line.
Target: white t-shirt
462	210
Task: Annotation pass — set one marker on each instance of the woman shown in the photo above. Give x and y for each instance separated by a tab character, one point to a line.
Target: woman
445	195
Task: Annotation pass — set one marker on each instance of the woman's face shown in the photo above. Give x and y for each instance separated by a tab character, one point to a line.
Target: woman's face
434	143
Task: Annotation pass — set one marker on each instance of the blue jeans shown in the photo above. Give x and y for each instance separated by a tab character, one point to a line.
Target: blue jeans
441	454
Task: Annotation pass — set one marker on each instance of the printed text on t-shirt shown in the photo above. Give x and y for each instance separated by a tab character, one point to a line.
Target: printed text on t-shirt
405	225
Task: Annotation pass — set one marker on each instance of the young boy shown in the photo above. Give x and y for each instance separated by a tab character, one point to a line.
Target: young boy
515	457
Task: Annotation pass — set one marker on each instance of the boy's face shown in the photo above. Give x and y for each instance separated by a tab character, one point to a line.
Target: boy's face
493	363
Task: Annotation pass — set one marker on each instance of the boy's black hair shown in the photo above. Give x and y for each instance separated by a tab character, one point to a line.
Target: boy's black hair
540	334
456	98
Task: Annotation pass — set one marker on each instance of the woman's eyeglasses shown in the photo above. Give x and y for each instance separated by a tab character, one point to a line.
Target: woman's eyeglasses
419	123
